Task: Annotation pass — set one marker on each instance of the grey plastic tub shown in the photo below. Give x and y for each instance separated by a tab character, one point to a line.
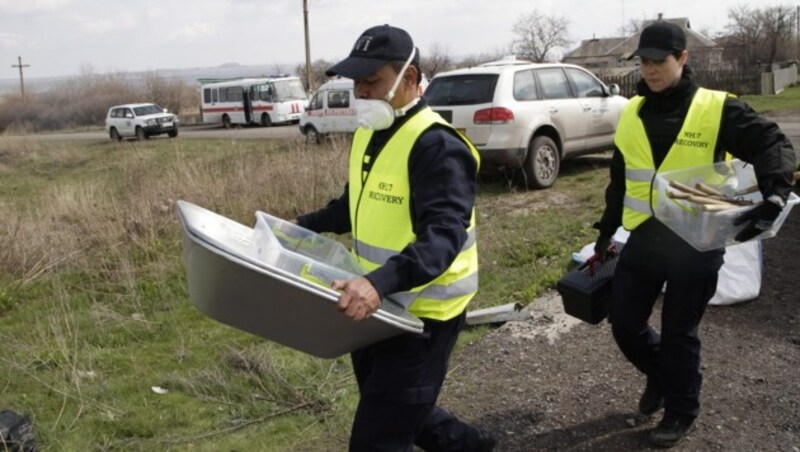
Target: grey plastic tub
229	282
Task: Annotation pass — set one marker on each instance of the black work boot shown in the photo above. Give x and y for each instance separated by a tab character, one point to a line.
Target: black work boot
651	400
669	431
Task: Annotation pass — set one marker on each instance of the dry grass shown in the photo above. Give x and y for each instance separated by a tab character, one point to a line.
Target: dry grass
73	220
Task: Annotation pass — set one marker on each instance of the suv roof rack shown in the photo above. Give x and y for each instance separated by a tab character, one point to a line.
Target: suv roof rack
509	60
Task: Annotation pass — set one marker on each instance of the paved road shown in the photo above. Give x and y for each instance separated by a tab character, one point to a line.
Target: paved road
790	124
199	131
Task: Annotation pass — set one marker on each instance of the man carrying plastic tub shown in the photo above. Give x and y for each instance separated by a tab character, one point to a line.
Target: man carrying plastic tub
674	124
409	205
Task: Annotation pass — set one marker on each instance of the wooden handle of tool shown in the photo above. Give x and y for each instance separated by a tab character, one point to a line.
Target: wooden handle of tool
709	201
707	189
685	188
678	195
697	199
715	207
748	190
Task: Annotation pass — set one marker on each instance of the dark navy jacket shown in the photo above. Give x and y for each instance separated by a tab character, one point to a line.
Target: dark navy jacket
443	174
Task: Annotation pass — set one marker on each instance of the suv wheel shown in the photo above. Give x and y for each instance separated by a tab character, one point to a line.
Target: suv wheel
140	135
265	120
543	162
114	134
312	136
226	121
173	133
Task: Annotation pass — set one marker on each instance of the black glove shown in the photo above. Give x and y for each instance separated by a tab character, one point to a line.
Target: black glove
760	217
603	248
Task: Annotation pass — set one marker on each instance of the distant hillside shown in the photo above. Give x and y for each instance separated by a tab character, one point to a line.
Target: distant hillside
189	76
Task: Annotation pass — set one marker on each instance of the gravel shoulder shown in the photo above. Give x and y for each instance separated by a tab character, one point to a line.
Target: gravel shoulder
554	383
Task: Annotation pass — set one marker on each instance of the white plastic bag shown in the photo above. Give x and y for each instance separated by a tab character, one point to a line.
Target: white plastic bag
740	275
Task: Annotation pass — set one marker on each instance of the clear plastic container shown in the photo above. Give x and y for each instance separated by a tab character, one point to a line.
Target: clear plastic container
288	247
706	230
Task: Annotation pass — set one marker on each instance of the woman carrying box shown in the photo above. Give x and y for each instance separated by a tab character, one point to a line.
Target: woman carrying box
674	124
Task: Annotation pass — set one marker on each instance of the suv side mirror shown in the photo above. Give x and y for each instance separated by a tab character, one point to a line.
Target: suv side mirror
614	89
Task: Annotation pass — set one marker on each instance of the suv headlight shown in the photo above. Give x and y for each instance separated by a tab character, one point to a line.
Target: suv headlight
151	122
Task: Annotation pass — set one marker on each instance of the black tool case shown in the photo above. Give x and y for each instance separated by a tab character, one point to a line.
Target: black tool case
586	290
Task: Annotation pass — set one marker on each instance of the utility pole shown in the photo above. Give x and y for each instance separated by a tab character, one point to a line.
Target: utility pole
624	34
308	46
797	34
21	81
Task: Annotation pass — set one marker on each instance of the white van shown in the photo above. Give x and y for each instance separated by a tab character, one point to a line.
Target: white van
330	110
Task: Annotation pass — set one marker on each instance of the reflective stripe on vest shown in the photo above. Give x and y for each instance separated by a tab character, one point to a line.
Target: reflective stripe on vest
377	254
693	146
380	215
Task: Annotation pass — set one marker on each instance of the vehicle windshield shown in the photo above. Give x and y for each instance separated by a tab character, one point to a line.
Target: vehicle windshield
289	90
147	110
467	89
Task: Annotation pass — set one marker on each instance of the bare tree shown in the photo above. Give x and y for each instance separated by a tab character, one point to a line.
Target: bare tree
538	34
437	60
85	99
745	30
318	76
761	36
777	21
632	27
174	95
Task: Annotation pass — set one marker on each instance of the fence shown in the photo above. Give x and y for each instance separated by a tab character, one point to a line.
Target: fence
775	81
736	82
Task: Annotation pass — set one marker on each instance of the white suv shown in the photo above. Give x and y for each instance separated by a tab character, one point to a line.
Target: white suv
140	121
530	116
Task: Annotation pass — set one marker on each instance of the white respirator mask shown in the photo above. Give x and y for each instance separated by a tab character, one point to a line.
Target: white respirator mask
378	114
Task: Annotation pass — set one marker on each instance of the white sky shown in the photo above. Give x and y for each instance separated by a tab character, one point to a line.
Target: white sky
62	37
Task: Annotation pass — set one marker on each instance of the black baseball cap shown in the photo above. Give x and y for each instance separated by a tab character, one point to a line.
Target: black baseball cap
374	48
659	40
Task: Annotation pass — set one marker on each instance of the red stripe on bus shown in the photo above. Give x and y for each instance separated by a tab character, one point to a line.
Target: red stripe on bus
234	109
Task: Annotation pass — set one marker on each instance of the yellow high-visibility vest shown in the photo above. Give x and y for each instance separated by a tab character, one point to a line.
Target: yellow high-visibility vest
380	215
694	146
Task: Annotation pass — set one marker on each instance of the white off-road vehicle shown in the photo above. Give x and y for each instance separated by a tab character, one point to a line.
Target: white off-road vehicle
140	121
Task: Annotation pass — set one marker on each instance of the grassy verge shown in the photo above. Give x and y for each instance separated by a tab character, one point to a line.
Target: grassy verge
94	310
785	101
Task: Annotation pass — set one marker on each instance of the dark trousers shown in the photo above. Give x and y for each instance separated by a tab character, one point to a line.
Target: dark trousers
671	358
399	380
